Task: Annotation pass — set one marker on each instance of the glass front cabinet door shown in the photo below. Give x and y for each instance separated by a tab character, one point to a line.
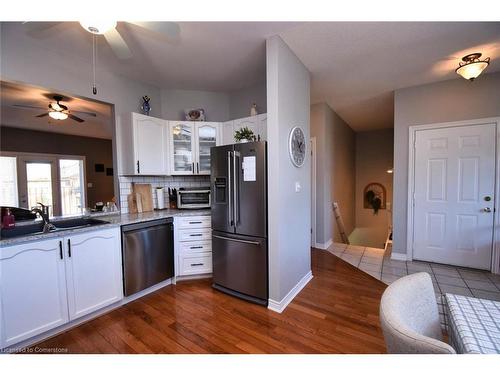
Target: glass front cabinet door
182	152
190	146
206	137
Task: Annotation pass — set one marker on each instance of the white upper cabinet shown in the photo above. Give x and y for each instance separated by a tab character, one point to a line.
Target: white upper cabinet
258	124
227	133
145	139
33	290
93	270
190	144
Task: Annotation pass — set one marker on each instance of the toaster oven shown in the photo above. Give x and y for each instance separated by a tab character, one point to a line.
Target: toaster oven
193	198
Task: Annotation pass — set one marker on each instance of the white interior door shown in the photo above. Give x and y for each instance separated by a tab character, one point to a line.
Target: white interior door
454	195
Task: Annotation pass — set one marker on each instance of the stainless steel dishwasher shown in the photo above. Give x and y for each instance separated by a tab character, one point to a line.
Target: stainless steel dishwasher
148	254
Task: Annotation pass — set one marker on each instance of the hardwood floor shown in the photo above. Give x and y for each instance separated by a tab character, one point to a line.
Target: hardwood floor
337	312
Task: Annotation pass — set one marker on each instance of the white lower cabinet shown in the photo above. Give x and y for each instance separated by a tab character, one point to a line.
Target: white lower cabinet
93	271
33	290
48	283
193	245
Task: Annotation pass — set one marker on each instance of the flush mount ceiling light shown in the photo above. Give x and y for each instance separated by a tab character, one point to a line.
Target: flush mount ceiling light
98	27
471	66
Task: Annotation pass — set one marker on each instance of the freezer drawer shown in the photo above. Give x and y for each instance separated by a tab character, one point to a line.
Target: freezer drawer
240	266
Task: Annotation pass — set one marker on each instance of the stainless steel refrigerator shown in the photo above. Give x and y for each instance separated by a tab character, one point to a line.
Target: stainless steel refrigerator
239	220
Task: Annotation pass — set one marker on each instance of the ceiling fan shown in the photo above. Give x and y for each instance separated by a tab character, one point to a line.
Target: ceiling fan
107	28
58	111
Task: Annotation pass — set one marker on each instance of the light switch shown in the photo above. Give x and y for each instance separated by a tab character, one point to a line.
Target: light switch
298	187
90	185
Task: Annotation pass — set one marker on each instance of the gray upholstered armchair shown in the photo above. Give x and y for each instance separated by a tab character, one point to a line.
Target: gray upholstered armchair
410	319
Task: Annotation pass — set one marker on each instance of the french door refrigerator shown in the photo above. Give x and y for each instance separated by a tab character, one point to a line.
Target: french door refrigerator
239	220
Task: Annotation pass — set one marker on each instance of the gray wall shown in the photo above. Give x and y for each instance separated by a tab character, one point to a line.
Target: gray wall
453	100
335	171
174	102
288	104
374	151
240	101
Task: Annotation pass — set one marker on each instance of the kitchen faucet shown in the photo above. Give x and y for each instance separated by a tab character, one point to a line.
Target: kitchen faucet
44	214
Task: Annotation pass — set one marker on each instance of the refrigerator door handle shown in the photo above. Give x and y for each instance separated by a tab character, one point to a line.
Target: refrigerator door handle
236	240
236	186
229	187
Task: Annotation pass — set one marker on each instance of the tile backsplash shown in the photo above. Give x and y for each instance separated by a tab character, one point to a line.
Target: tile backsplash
158	181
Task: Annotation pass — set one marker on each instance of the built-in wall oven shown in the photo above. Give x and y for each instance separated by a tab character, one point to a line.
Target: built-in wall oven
193	197
148	254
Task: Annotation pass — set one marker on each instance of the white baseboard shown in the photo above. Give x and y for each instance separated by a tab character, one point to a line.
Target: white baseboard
398	256
323	246
280	306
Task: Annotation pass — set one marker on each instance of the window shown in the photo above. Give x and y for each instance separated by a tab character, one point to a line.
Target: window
71	183
8	181
39	183
56	181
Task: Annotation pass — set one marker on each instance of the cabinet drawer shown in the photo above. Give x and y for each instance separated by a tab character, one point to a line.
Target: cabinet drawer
200	234
195	247
195	222
196	264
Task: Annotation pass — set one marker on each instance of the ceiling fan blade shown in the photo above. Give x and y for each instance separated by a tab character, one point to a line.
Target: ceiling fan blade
43	115
170	29
85	113
117	44
27	106
73	117
36	28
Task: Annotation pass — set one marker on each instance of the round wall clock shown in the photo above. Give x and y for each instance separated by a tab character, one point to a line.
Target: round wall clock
297	146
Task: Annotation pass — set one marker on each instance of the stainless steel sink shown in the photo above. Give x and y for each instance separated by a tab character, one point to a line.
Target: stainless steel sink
60	225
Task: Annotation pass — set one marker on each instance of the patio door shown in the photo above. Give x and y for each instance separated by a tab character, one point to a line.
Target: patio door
37	182
454	185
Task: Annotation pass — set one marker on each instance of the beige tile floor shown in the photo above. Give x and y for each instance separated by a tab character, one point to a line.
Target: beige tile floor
446	279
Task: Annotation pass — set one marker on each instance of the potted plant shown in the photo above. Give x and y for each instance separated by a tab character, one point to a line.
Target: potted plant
244	135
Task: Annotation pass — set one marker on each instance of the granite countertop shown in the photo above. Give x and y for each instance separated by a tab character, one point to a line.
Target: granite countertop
113	220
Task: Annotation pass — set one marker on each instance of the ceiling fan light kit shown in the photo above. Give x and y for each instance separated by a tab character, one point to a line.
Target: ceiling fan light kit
98	27
472	66
56	115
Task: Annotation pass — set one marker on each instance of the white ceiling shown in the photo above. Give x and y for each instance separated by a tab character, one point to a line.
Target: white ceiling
355	67
14	93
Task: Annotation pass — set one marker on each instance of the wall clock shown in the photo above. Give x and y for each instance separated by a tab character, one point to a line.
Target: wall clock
297	146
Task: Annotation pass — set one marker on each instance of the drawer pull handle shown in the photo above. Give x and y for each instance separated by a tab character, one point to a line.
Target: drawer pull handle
196	264
196	235
195	222
196	247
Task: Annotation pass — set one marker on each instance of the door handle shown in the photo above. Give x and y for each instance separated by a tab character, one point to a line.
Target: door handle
236	240
69	247
487	209
193	167
236	189
138	167
198	167
229	188
60	250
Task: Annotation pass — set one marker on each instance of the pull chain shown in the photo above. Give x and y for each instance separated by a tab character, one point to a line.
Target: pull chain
94	53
